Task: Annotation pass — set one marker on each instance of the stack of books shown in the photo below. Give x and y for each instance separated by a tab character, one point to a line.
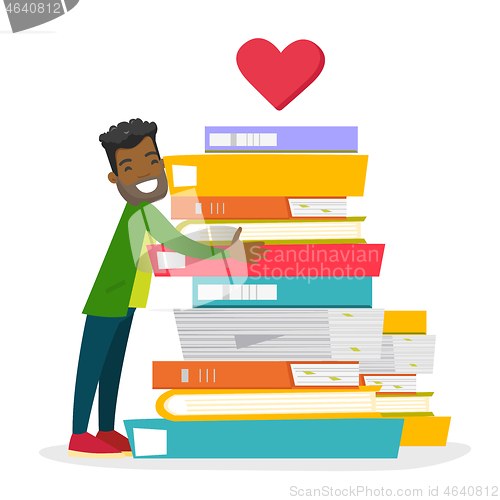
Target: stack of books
284	357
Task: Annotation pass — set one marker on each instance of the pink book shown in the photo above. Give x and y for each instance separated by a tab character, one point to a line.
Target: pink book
332	260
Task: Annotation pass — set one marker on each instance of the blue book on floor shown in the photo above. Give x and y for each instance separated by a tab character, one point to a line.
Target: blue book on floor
282	292
321	438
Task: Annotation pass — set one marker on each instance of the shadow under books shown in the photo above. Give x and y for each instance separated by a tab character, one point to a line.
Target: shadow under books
410	457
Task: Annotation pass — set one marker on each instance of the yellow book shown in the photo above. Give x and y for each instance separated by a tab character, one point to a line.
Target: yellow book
405	322
220	230
271	404
301	175
423	431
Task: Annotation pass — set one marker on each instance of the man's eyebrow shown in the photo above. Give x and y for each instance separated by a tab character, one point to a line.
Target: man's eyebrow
123	161
151	153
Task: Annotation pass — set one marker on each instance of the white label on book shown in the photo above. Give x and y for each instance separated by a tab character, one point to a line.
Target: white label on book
241	139
220	139
267	292
150	442
184	175
171	260
268	140
197	209
210	292
237	292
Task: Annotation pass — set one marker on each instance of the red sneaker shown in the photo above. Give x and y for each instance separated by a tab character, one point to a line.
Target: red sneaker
86	445
116	440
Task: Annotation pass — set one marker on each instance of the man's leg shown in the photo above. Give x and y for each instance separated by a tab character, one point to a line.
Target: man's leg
97	337
111	372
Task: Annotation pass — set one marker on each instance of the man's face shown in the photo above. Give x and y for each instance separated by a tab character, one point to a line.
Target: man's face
141	175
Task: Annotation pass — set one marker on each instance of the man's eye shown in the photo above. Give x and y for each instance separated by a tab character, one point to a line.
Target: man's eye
154	161
127	168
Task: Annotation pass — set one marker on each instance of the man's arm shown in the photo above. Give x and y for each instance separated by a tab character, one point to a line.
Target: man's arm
163	231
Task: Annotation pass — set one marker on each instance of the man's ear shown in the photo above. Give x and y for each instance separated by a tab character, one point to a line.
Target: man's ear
112	178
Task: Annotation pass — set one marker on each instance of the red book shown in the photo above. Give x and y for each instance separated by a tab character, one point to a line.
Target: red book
331	260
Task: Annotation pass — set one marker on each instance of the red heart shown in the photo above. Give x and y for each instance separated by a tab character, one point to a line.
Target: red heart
280	76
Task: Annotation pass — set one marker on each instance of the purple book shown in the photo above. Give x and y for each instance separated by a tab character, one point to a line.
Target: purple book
281	139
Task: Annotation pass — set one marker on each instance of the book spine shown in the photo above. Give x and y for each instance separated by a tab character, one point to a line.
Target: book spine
232	374
305	438
248	139
282	292
297	175
244	207
230	207
330	260
221	375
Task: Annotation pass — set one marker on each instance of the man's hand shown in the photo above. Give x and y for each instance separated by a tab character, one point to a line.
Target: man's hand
248	251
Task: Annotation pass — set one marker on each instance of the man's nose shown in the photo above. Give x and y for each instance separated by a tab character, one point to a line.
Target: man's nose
142	176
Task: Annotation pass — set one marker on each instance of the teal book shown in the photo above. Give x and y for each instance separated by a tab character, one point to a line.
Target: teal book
308	438
294	291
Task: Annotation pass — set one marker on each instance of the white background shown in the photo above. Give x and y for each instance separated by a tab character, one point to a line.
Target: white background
421	81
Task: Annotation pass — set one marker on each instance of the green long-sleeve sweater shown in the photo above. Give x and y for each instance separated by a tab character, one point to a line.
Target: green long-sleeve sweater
110	295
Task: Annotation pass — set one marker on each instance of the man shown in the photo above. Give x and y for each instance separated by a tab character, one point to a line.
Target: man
123	281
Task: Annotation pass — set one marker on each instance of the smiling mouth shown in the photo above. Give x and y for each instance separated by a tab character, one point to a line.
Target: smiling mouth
147	186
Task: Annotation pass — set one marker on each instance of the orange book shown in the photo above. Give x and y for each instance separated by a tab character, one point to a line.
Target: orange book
255	374
259	207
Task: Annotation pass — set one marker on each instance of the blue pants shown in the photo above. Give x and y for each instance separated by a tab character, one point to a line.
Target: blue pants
101	359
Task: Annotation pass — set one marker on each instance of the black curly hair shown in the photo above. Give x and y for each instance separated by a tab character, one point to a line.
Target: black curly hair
127	135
